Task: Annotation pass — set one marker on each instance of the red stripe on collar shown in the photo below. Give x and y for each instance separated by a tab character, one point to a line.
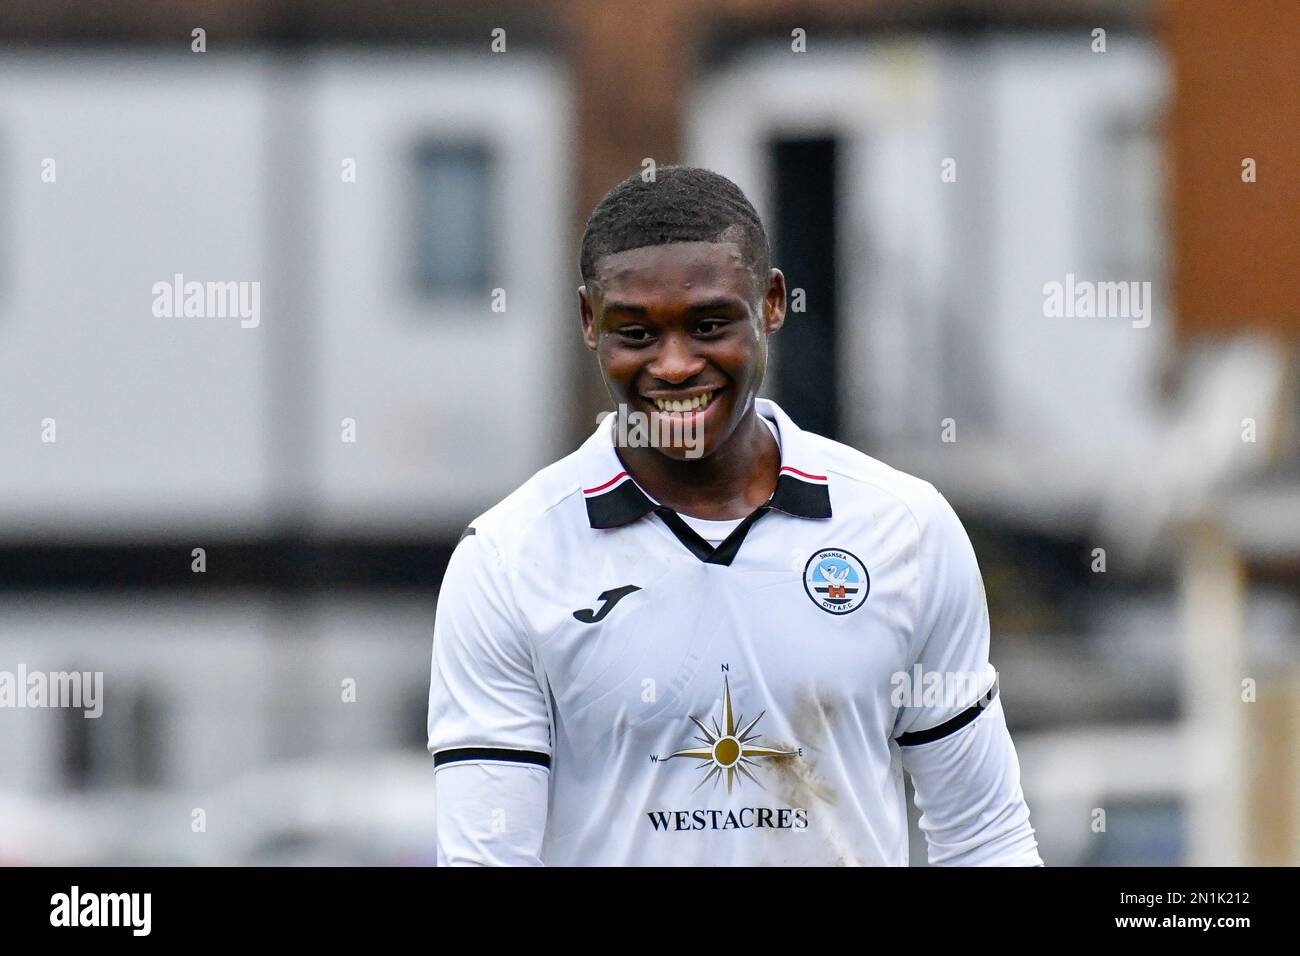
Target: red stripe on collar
803	474
602	487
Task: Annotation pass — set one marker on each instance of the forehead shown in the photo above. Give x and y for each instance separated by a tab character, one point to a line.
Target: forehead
675	269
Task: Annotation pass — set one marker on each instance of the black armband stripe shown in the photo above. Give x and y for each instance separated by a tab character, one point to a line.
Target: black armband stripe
949	726
462	754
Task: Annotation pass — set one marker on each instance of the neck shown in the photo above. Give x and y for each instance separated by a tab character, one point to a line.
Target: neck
739	476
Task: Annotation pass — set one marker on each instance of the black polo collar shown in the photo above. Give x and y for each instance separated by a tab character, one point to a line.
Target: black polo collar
802	488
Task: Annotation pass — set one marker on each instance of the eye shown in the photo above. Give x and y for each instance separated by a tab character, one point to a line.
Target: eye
633	333
710	326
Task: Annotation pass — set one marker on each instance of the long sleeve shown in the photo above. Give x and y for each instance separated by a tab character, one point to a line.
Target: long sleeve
490	814
489	725
967	788
951	730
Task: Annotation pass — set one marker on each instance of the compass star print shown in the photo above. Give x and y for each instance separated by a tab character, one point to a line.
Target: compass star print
729	748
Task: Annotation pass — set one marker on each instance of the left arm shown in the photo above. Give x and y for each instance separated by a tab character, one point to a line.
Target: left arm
957	750
967	787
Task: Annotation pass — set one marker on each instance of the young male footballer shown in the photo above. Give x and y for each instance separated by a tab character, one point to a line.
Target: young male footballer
727	647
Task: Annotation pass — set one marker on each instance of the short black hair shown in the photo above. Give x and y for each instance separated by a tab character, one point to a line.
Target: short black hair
680	204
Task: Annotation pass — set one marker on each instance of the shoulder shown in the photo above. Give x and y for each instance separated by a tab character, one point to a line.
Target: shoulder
548	501
862	483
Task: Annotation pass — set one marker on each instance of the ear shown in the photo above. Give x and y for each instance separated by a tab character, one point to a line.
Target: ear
588	319
774	302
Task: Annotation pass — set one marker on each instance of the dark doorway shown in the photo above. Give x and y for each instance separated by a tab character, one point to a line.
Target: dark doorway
803	237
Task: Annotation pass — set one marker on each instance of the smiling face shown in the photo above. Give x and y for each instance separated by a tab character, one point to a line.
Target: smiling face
680	330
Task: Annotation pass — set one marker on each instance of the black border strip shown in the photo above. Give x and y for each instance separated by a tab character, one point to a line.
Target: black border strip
917	737
462	754
277	563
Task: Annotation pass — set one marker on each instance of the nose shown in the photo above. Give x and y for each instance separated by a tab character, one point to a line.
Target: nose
675	360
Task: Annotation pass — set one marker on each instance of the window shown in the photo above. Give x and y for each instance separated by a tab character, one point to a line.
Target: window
453	218
804	247
1128	225
123	747
1140	832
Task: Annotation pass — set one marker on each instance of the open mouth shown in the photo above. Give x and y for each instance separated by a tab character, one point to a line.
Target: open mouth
684	406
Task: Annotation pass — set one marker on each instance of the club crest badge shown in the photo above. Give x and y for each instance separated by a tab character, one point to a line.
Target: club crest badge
836	581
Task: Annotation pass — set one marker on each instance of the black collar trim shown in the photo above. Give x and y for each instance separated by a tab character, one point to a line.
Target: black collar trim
616	502
621	501
801	494
726	551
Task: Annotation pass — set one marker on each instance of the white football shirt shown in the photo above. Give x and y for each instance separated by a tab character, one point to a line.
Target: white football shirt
608	685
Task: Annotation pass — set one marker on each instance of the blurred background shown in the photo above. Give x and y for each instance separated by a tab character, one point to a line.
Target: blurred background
407	183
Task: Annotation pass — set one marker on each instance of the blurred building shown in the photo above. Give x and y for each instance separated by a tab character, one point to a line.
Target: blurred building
406	187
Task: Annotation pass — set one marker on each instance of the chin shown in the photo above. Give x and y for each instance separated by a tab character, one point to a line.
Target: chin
688	454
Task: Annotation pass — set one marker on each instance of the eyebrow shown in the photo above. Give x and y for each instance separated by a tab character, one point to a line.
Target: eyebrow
724	304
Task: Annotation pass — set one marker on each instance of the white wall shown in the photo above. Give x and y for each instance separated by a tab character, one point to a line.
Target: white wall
941	282
160	422
226	167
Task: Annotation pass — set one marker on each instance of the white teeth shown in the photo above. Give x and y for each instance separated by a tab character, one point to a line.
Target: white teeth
687	405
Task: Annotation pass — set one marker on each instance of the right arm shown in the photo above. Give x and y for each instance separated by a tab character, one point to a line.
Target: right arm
489	728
